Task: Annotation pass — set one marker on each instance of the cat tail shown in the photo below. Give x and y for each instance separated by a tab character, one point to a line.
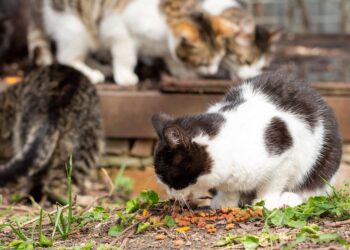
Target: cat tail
34	156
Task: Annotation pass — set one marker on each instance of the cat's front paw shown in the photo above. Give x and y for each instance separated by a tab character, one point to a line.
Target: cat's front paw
126	78
95	76
224	200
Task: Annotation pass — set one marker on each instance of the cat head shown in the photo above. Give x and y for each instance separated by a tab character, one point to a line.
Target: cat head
199	41
251	49
180	160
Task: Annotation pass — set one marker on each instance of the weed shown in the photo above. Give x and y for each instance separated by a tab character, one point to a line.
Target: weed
123	185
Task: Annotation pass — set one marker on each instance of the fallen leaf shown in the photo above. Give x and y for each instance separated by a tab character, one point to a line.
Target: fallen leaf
179	242
11	80
230	226
145	213
182	229
160	237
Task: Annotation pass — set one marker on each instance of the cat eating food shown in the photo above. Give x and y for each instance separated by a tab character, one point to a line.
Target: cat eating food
273	136
191	41
250	48
52	114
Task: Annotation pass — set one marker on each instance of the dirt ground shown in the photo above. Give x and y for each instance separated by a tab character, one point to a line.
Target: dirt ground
195	238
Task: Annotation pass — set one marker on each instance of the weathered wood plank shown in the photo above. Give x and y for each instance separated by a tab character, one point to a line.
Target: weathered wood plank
128	114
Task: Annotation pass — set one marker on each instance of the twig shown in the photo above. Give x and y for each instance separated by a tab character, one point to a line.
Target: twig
167	233
122	235
37	218
19	209
337	223
111	189
126	239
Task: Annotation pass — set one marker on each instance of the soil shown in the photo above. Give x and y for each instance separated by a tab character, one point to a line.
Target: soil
195	238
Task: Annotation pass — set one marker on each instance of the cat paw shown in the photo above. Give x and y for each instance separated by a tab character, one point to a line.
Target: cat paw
286	199
96	76
270	203
290	199
126	78
222	200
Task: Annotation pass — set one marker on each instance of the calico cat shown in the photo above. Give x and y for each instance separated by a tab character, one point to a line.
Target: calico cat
272	135
52	114
191	41
250	49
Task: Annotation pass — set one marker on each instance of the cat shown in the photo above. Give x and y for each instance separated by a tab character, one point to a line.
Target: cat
191	41
250	49
52	114
272	135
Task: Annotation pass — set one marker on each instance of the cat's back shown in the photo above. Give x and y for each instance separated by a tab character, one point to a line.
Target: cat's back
273	106
57	90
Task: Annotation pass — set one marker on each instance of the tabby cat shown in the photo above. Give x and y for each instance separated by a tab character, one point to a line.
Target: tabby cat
250	49
52	114
191	41
273	136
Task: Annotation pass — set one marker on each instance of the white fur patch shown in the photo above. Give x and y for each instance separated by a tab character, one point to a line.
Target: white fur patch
216	7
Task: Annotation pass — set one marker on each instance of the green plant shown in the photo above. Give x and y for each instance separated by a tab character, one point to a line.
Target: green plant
250	242
123	185
62	222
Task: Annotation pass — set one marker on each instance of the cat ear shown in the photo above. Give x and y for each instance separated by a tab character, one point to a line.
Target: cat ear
159	121
223	27
185	30
275	34
175	136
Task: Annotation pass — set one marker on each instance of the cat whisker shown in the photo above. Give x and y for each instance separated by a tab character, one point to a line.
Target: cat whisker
186	204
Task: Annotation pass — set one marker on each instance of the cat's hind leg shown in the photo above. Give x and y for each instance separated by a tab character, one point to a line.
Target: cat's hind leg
271	191
123	48
73	44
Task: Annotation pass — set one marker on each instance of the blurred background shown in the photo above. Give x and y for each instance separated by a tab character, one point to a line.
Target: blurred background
315	46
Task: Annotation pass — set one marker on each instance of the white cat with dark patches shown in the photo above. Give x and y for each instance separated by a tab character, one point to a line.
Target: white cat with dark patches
273	136
190	40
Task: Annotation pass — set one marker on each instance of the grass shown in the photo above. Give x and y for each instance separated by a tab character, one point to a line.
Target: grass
335	207
61	223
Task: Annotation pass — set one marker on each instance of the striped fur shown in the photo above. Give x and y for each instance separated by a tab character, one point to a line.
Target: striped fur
52	114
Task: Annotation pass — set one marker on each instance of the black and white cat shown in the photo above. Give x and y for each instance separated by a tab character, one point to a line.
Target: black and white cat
272	135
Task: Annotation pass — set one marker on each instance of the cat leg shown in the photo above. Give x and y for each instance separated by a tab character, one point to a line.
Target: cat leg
73	44
290	199
272	192
124	61
39	46
225	200
123	48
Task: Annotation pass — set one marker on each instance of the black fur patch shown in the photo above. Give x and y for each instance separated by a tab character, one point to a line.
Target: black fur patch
179	162
208	123
329	159
233	99
277	137
290	94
